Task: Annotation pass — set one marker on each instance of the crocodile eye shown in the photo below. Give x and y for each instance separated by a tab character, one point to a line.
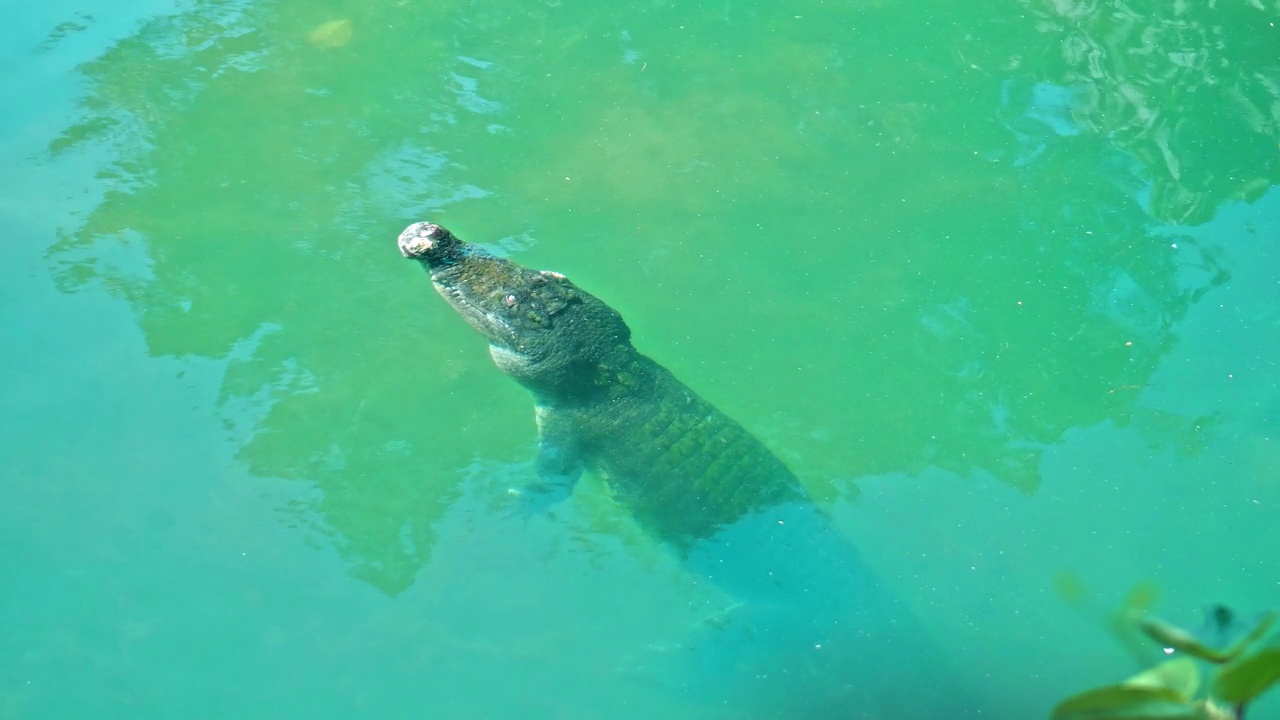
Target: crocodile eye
509	301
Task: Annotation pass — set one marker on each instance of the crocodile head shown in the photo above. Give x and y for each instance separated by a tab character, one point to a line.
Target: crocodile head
542	329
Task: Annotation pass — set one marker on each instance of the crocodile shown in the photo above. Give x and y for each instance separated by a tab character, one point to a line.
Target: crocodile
695	480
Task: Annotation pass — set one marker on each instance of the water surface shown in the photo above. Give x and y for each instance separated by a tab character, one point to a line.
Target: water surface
998	280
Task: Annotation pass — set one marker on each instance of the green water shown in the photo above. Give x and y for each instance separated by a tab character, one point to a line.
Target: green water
999	280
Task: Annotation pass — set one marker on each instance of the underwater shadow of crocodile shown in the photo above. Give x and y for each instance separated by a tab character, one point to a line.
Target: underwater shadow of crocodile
813	633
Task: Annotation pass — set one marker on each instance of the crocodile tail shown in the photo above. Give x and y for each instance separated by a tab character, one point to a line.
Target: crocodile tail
811	632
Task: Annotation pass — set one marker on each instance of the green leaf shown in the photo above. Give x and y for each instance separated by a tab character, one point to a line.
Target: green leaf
1174	637
1242	680
332	34
1070	588
1179	675
1264	624
1116	701
1141	598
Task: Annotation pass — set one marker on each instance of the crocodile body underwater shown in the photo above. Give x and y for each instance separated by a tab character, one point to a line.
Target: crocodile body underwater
813	634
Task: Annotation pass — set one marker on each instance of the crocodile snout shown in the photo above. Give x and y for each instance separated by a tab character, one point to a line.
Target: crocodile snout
420	238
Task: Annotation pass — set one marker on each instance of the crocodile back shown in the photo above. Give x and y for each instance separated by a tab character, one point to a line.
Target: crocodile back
682	467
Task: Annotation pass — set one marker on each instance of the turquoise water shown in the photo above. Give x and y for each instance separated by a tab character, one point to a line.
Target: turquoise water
1000	281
